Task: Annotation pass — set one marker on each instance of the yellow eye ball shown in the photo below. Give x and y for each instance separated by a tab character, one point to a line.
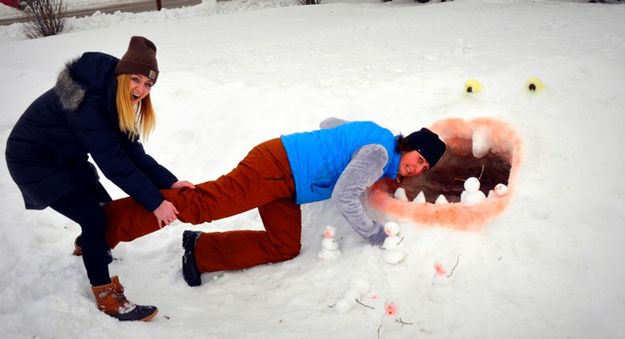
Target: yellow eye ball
472	86
534	84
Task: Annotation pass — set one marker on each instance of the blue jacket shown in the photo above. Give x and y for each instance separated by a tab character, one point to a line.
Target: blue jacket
47	150
318	158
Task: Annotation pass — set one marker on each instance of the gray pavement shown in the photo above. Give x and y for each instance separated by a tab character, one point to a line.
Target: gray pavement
134	7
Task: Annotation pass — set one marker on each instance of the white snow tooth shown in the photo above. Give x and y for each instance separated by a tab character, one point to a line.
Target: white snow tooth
441	200
400	194
481	142
491	194
420	198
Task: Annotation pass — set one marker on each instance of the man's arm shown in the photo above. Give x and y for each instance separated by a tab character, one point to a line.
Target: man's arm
363	170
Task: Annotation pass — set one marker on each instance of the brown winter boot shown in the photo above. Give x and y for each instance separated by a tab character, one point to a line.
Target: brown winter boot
111	300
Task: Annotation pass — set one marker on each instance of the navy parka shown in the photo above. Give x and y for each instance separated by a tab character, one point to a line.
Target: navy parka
48	149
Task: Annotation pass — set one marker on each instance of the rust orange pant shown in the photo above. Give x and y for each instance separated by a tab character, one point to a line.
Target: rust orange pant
262	180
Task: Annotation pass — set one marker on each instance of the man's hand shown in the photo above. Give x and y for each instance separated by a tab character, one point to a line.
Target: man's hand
377	239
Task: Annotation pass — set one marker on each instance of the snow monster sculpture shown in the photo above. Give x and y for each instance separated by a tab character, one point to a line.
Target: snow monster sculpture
484	148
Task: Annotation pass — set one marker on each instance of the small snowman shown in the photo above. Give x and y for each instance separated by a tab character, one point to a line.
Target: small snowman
390	321
472	194
393	246
442	287
329	246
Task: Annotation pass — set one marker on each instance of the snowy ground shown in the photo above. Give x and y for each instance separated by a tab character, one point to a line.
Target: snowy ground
551	266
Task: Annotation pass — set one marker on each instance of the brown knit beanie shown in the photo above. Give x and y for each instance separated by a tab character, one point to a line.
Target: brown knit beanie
140	58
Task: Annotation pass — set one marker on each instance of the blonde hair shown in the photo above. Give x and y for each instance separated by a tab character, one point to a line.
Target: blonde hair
135	125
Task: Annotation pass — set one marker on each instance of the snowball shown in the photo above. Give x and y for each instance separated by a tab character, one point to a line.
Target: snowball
393	256
442	293
329	254
392	242
329	232
472	184
441	279
472	198
391	228
351	294
343	306
501	190
360	285
329	244
389	323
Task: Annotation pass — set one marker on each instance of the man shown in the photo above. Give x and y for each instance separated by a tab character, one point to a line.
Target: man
339	161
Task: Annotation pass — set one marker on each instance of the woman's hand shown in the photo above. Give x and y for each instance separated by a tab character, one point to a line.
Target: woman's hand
165	213
182	183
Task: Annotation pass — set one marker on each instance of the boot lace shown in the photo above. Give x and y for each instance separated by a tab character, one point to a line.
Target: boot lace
126	306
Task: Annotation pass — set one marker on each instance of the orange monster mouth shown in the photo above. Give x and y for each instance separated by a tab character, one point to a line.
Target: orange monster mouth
485	148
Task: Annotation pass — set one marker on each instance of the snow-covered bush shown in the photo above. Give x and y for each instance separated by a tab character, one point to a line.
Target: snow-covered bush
45	17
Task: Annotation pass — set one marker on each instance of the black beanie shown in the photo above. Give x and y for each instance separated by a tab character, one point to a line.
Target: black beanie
140	58
427	143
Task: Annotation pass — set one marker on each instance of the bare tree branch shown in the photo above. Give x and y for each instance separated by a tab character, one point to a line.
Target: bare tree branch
45	18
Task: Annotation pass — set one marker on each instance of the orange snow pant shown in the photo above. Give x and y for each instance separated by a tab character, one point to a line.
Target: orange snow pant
262	180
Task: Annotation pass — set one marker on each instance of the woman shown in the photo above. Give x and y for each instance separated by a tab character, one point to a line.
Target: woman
340	161
100	106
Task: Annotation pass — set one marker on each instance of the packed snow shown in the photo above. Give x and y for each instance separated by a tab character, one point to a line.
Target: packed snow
236	73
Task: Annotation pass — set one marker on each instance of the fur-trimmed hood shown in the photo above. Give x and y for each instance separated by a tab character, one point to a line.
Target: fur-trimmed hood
92	71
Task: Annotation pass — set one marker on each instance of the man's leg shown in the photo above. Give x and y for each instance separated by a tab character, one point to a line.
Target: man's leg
232	250
263	176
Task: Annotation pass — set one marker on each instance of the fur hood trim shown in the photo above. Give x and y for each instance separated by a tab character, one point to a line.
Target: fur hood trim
69	91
